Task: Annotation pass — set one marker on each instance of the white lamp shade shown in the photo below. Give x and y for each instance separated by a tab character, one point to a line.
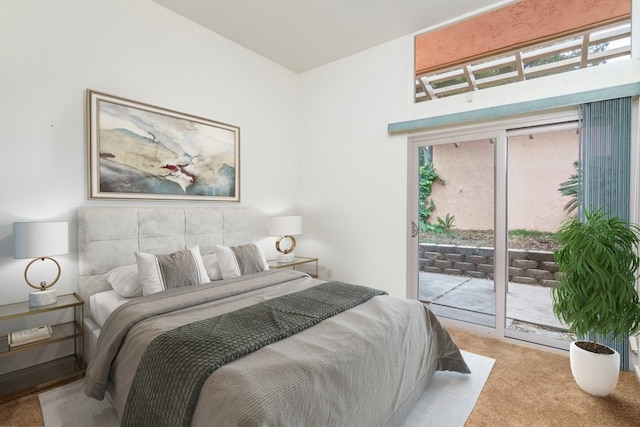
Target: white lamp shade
285	225
40	239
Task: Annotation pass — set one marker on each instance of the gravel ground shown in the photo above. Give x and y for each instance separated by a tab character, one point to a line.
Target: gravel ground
483	238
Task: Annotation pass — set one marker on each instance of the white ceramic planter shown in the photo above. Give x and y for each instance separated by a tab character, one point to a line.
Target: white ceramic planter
597	374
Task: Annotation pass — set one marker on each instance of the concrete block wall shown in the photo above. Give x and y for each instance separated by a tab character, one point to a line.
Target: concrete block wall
525	266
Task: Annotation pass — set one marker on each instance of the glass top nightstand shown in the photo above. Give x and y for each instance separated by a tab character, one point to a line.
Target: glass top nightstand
273	264
36	377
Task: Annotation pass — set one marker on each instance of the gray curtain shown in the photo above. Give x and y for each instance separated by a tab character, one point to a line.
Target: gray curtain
605	159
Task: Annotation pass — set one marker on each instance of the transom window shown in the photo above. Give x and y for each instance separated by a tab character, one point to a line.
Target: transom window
588	49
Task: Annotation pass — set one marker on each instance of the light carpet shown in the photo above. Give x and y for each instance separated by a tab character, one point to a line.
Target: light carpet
447	401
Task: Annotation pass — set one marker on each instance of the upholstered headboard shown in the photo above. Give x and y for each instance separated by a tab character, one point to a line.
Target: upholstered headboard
109	236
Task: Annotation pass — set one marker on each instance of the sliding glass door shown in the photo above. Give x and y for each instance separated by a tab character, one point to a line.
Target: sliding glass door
542	186
455	228
485	204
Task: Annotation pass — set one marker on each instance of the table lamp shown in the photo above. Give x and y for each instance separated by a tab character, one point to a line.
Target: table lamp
286	227
40	241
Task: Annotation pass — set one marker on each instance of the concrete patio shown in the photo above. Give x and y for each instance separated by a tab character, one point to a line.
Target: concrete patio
473	300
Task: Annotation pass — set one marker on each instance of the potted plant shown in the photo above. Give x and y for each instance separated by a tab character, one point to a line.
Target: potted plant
595	294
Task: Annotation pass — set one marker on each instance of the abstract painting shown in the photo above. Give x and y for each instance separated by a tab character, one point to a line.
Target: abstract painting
138	151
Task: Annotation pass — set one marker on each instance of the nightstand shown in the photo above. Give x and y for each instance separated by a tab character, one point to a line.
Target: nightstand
20	382
273	264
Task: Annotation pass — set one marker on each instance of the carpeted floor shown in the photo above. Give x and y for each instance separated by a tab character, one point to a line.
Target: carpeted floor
530	387
24	411
527	387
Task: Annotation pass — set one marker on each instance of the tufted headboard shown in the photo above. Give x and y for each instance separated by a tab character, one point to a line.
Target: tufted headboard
109	236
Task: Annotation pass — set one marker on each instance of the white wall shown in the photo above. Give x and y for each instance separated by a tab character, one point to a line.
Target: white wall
52	51
353	179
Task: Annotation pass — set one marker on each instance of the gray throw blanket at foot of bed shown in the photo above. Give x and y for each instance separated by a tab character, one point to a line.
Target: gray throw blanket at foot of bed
176	364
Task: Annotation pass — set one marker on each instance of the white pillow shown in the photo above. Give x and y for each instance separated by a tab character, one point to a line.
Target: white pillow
167	271
227	261
125	281
212	266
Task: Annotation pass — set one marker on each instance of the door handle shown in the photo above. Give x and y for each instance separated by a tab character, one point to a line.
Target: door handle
414	229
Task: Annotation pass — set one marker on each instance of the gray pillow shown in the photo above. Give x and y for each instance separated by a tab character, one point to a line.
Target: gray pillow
250	259
161	272
239	260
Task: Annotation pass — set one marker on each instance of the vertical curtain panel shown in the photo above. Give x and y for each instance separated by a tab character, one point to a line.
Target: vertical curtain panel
605	157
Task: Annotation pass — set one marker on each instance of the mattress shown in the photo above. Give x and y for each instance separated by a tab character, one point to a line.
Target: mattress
103	303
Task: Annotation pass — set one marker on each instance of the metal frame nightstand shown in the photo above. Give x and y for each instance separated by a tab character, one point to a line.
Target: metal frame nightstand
273	264
27	380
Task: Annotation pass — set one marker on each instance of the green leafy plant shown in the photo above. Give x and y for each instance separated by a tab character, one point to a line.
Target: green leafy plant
427	178
571	189
427	227
598	262
447	222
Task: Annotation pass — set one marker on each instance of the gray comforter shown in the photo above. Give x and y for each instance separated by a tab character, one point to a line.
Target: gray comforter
365	366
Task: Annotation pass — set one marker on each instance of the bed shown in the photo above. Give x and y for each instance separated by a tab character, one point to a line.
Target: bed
349	355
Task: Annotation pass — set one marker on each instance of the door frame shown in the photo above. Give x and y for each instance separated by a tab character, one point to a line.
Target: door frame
468	132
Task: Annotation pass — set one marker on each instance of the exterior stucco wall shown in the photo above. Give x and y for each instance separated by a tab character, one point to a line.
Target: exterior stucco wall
536	167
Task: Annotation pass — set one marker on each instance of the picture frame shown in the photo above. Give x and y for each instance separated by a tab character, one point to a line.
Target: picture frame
140	151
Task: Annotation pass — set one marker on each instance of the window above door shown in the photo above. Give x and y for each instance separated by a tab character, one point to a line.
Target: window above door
591	48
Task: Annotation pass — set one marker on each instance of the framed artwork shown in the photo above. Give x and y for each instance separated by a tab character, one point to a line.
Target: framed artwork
138	151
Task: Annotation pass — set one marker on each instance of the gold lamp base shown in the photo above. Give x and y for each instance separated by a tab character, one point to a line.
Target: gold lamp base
286	255
44	296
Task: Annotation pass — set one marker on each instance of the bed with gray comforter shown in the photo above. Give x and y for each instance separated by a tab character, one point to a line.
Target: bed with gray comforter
363	365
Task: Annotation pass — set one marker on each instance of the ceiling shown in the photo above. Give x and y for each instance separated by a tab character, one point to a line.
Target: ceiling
304	34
